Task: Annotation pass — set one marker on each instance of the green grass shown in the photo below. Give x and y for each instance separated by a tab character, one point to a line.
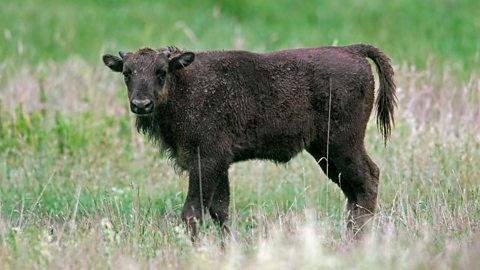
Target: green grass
79	188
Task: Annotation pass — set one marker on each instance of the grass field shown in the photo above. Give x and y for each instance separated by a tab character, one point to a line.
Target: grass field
79	188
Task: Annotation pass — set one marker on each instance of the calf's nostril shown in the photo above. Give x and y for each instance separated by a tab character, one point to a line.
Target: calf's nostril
148	104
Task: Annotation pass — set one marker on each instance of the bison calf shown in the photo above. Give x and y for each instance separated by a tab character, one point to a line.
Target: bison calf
211	109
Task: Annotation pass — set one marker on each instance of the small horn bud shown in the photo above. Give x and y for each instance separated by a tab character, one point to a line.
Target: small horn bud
166	53
123	54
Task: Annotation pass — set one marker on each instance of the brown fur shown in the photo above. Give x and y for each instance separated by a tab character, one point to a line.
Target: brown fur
236	105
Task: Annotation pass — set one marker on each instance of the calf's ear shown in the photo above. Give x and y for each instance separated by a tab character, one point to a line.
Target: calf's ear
180	61
113	62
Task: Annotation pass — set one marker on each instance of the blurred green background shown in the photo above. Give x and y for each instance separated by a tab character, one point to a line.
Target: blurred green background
444	32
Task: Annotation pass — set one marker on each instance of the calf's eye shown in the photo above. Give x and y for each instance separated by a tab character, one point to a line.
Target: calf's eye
160	73
126	75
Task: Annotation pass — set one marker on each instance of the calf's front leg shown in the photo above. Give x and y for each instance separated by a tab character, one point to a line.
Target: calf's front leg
204	178
219	204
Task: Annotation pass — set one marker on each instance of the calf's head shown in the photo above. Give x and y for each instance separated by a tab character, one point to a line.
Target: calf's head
146	73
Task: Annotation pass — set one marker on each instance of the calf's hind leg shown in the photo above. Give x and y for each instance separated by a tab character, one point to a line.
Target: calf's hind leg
335	175
362	174
357	175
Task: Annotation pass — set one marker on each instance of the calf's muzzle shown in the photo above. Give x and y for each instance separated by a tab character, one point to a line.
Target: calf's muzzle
141	106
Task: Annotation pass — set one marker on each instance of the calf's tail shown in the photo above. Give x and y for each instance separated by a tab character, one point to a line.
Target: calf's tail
386	98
